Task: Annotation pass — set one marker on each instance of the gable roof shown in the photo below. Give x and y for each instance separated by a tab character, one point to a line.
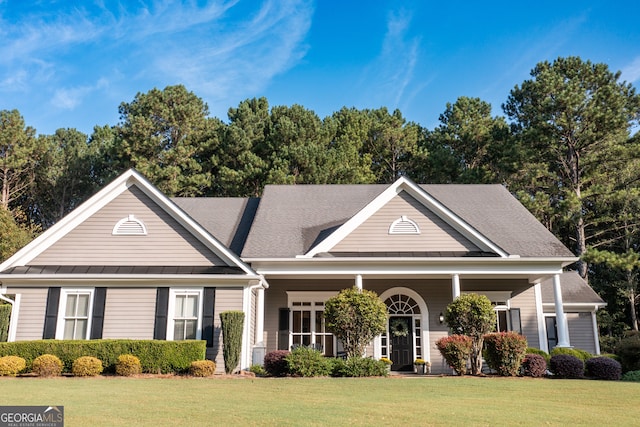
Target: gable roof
294	220
124	182
575	290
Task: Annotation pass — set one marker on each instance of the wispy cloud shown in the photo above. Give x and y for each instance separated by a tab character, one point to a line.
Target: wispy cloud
631	72
70	98
391	74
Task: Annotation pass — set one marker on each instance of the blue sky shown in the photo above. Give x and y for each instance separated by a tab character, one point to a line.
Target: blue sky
70	64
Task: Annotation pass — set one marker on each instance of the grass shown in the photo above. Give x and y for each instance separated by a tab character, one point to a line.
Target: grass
116	401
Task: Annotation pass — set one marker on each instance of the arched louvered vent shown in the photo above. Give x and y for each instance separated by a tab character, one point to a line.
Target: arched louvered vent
130	226
404	225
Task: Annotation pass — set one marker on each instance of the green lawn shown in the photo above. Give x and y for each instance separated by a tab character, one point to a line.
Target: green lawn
114	401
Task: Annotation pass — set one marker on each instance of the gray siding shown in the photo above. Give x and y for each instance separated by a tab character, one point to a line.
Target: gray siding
166	242
226	299
526	302
581	331
435	234
32	309
129	313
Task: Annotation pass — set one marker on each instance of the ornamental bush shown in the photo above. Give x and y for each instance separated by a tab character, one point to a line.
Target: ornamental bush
87	366
504	352
12	365
275	363
534	365
631	376
359	367
576	352
456	350
308	362
603	368
566	366
533	350
46	365
202	368
128	365
628	349
232	327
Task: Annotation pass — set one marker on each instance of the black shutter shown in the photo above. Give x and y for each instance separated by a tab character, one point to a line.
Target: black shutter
207	315
283	329
97	320
162	306
51	315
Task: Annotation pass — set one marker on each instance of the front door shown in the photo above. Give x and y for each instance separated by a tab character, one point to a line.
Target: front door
401	334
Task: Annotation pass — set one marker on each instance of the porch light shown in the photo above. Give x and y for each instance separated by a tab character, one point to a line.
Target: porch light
441	318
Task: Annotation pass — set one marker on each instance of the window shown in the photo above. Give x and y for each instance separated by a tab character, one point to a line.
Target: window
74	314
185	314
307	322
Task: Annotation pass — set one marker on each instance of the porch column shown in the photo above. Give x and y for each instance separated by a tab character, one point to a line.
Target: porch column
455	285
561	319
359	282
259	332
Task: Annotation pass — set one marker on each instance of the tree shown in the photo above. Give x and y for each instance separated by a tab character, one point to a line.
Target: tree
12	235
232	325
19	155
355	317
167	136
472	315
569	117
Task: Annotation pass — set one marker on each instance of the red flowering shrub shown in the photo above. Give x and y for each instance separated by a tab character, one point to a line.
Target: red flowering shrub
504	352
456	350
534	365
275	363
603	368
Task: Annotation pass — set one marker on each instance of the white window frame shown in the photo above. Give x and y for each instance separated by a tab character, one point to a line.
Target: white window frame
313	298
173	293
62	308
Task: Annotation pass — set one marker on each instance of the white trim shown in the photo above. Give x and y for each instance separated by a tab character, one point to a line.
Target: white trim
542	326
424	322
171	311
404	184
13	316
62	306
596	335
455	286
561	320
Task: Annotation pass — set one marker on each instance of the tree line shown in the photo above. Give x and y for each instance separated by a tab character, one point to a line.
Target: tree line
565	147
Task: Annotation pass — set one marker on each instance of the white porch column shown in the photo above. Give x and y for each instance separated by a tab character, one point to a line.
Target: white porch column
561	319
359	282
455	285
259	332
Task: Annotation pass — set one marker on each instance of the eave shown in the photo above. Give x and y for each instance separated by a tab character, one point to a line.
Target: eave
127	280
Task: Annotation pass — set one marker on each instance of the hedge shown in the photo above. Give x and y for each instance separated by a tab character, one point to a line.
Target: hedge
155	356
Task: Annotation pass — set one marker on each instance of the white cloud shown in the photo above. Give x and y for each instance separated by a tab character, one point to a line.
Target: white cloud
70	98
631	72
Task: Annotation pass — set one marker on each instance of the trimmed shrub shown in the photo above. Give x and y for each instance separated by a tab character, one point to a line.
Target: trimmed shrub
202	368
12	365
275	363
628	349
504	352
258	370
232	326
308	362
534	365
566	366
87	366
47	365
156	356
576	352
533	350
603	368
128	365
359	367
631	376
456	350
5	314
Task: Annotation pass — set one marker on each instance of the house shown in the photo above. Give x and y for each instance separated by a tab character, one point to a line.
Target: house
133	263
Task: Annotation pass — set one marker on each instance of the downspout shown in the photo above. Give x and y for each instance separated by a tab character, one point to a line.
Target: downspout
13	316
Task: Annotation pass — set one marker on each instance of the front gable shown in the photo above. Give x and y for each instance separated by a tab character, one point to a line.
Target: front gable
405	221
127	223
